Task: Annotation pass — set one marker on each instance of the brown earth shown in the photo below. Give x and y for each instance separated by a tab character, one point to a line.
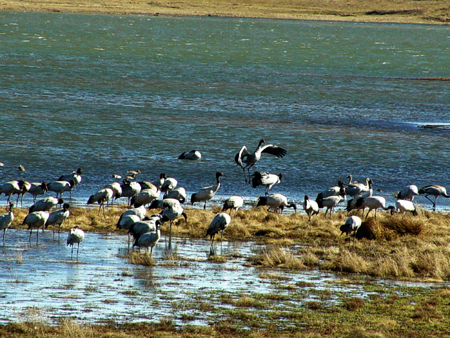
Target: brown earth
400	11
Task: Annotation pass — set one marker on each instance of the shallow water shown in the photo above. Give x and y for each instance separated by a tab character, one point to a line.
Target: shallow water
102	285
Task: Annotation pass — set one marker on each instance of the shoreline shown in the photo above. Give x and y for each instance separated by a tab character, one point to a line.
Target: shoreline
383	11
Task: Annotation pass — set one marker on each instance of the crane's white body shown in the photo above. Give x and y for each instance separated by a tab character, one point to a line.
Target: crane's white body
276	202
59	187
76	236
266	179
404	206
352	224
35	219
433	190
177	193
233	203
219	223
6	220
311	207
192	155
101	197
407	193
37	189
46	204
207	193
57	217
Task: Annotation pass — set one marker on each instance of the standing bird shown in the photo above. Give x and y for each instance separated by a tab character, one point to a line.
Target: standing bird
311	207
332	191
233	203
46	204
193	155
434	190
354	189
57	218
373	203
351	224
331	201
73	176
404	206
36	220
138	212
145	196
37	189
265	179
407	193
177	193
207	193
76	235
172	210
247	160
276	202
12	188
149	239
130	189
219	223
169	184
59	187
6	220
117	190
101	197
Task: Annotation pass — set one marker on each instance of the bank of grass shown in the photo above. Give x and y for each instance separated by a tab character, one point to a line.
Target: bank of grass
305	312
401	11
395	246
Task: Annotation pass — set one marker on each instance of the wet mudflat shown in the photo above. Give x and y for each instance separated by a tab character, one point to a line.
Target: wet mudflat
102	285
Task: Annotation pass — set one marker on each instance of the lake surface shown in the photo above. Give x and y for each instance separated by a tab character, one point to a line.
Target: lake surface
115	93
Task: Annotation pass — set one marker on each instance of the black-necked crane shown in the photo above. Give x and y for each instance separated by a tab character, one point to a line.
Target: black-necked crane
169	184
76	236
46	204
13	187
6	220
407	193
145	196
130	189
246	160
219	223
266	179
147	224
233	203
404	206
433	190
172	210
177	193
138	212
192	155
207	193
352	224
35	219
116	188
373	203
311	207
158	183
73	176
149	239
101	197
37	189
331	201
354	189
276	202
57	218
59	187
332	191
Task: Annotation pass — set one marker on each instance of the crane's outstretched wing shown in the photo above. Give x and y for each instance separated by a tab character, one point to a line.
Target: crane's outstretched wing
240	156
274	150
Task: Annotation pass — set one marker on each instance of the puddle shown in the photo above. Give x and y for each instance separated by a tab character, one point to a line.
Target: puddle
102	285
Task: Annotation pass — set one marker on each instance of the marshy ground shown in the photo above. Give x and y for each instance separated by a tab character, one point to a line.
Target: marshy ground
393	282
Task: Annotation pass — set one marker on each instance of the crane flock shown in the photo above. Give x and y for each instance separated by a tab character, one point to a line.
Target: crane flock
146	230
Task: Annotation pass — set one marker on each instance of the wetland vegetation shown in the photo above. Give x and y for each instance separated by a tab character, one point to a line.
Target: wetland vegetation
404	251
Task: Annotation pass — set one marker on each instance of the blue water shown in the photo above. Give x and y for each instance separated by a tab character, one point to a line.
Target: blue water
115	93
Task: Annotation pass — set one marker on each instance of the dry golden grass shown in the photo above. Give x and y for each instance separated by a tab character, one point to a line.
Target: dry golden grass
141	258
402	11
